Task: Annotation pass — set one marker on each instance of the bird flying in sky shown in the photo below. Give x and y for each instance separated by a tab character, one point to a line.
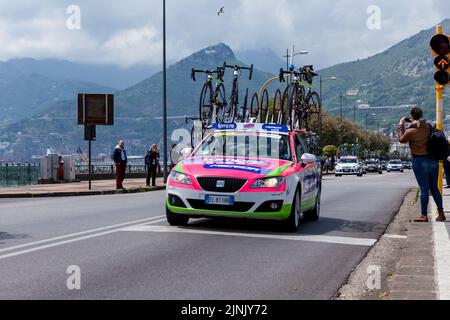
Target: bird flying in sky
221	11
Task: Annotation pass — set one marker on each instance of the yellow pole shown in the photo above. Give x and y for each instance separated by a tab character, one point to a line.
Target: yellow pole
440	119
440	126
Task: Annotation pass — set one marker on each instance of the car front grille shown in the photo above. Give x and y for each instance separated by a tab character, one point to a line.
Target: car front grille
230	184
237	206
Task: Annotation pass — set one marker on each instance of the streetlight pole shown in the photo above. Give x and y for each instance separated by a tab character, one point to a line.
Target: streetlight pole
164	94
340	105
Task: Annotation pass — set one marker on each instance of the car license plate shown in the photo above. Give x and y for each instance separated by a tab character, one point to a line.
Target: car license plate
219	200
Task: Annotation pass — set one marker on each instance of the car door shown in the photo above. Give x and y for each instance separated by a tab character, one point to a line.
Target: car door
307	175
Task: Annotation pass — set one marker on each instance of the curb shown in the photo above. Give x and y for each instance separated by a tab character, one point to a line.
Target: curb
79	193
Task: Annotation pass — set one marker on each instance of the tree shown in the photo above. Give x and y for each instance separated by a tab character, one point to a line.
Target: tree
330	151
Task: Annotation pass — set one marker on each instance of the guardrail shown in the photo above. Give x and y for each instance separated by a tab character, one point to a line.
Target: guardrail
16	174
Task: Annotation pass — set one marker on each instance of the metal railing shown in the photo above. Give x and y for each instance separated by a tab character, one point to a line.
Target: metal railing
17	174
109	169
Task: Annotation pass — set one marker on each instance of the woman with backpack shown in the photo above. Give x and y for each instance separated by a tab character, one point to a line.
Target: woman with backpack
152	163
425	167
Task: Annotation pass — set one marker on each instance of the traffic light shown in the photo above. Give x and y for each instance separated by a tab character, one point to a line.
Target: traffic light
440	46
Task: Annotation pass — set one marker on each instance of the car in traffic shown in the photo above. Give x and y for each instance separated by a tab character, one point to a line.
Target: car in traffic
407	165
348	165
374	165
395	165
252	171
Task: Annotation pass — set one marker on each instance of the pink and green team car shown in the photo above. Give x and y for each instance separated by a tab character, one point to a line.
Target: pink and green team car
253	171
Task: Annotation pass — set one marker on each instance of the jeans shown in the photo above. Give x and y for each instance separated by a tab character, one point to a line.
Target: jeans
447	171
426	171
151	174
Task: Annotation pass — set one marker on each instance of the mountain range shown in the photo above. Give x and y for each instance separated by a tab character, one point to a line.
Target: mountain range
137	110
403	74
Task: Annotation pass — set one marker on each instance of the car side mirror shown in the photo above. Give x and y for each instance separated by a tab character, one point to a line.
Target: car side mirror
308	158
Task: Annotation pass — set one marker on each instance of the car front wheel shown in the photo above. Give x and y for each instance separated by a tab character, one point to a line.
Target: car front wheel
292	223
175	219
314	214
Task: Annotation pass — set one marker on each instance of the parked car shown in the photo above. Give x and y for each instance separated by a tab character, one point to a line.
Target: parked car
348	166
374	165
395	165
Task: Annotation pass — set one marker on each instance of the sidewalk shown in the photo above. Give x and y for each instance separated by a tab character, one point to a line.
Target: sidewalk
99	187
423	272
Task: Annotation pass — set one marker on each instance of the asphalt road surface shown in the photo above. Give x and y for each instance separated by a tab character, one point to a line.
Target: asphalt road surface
122	247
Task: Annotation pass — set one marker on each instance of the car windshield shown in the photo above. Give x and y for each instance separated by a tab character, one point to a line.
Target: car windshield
395	162
348	161
372	162
242	144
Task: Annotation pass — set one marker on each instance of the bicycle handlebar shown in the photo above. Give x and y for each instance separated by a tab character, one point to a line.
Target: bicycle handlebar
237	68
302	71
219	72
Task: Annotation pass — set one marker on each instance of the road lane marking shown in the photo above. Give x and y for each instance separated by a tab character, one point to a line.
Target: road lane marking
442	259
29	244
298	237
394	236
56	244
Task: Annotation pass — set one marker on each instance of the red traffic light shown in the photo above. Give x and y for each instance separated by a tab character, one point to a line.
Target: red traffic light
442	77
440	44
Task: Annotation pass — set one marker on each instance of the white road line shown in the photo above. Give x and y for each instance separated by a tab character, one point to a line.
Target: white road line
442	259
29	244
55	244
394	236
298	237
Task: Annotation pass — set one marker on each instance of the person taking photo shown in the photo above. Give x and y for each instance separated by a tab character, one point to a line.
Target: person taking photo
425	167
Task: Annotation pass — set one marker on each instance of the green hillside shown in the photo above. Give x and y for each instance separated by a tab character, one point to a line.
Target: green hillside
403	74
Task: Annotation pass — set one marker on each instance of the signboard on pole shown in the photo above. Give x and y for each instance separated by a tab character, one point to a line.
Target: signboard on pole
96	109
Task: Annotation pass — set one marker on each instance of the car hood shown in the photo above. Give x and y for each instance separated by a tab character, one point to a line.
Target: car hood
246	168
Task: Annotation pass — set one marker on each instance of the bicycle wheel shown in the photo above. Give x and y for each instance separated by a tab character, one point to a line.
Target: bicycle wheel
206	106
285	105
244	111
234	100
313	112
255	108
223	114
197	135
276	116
264	107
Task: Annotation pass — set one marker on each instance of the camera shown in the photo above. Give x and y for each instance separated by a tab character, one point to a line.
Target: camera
408	120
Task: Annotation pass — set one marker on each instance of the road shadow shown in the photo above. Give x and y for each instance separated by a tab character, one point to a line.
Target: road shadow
11	236
323	226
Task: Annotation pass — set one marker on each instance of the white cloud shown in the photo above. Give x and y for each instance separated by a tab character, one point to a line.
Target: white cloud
130	32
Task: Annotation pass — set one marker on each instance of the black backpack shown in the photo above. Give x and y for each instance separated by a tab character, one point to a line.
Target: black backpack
437	145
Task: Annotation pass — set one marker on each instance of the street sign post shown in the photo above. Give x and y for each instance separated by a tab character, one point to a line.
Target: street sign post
440	49
93	110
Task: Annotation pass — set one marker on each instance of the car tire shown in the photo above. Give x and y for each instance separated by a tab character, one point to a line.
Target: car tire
380	172
175	219
314	214
360	174
401	171
388	170
292	223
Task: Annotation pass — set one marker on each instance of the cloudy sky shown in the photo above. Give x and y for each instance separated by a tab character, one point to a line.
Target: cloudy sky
130	32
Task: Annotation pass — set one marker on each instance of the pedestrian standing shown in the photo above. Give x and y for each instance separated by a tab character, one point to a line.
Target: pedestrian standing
152	163
447	170
328	164
120	160
426	169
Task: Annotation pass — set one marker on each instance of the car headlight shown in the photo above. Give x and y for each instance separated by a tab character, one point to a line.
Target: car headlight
180	178
356	167
268	182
